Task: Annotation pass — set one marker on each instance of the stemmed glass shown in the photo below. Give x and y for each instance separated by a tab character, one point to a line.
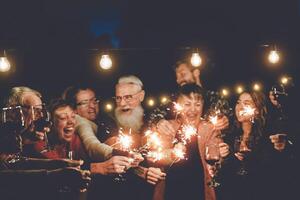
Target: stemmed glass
212	157
244	146
12	118
41	120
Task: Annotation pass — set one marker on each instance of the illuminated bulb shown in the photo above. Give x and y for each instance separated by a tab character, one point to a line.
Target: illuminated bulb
4	64
151	102
256	87
284	80
239	89
164	100
196	60
273	57
225	92
108	106
105	62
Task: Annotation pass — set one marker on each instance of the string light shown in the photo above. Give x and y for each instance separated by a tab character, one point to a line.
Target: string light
225	92
164	99
4	63
108	107
256	86
239	89
273	57
105	62
151	102
196	60
284	80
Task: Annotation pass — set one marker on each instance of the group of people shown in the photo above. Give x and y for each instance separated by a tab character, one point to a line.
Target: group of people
201	151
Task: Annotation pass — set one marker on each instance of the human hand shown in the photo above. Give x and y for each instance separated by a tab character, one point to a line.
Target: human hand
222	123
279	141
211	169
224	149
135	159
164	127
154	175
115	165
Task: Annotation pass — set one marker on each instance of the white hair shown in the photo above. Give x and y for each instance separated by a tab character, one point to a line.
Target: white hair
16	95
130	79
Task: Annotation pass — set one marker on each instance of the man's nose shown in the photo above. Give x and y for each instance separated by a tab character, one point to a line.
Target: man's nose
122	102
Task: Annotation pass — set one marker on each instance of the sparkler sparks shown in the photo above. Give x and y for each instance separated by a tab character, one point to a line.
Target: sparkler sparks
248	111
188	131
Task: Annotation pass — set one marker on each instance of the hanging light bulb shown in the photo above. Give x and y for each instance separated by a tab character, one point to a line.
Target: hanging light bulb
225	92
273	57
151	102
239	89
257	86
105	62
4	63
196	60
284	80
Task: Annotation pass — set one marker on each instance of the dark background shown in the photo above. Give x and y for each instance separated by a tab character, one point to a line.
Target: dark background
54	44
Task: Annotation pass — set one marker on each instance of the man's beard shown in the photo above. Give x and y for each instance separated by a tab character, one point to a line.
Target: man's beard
134	121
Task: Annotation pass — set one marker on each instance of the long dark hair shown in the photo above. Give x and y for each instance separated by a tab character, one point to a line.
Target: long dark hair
260	119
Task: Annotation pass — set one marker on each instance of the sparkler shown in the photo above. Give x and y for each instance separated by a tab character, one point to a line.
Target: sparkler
213	118
188	131
178	108
248	111
125	140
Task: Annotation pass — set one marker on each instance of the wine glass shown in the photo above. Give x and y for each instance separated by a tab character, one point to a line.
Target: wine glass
12	119
41	120
12	123
212	157
243	145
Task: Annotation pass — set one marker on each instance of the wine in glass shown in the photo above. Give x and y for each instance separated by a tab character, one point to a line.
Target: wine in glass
243	146
212	157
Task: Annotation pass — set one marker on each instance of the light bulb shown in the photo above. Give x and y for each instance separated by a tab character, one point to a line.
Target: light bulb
225	92
256	87
164	99
273	57
151	102
108	107
4	64
284	80
105	62
196	60
239	89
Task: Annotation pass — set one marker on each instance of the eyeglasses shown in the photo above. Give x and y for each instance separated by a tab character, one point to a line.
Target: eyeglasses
127	98
86	103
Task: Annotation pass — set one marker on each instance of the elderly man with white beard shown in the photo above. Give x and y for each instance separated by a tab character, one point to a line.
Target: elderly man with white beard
130	116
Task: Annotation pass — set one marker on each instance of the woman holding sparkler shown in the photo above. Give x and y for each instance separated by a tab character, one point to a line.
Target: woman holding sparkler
188	176
251	165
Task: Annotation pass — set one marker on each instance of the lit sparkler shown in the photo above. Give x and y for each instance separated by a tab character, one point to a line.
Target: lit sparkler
178	108
188	131
247	111
213	118
125	140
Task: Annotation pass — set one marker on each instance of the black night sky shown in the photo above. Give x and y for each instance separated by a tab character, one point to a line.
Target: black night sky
53	44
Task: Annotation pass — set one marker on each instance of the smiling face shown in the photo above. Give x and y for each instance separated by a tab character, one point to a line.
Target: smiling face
128	97
87	105
64	123
245	101
30	101
192	108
